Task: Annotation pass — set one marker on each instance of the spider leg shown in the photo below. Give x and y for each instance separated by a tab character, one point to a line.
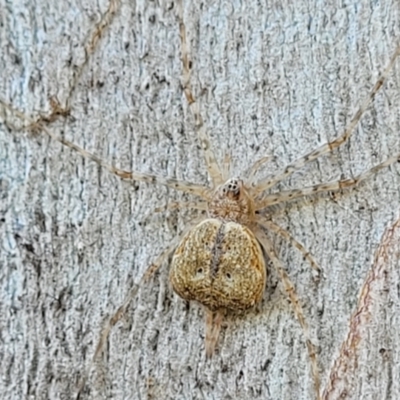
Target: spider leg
290	290
288	195
226	167
169	250
180	205
119	314
213	168
185	186
146	276
255	167
270	181
213	328
286	235
196	205
153	268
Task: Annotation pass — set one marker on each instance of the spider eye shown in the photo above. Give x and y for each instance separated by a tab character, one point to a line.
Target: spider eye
231	188
199	270
229	276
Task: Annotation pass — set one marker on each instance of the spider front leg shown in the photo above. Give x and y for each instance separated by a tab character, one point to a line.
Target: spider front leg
184	186
290	290
288	195
214	171
252	171
227	167
328	147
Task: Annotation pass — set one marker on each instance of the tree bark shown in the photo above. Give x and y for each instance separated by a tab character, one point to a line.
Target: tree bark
272	79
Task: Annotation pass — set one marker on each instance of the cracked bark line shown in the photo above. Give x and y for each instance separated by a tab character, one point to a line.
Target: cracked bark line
373	295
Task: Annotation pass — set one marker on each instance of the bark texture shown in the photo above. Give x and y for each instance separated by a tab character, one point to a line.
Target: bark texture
272	78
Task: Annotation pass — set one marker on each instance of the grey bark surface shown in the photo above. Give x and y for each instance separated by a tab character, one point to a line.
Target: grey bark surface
272	78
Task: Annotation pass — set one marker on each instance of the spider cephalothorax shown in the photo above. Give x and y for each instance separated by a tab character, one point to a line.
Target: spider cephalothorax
231	201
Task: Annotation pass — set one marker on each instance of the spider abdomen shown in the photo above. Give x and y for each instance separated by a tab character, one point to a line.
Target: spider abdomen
219	264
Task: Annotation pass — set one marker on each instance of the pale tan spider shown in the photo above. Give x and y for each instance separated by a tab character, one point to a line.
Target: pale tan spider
219	261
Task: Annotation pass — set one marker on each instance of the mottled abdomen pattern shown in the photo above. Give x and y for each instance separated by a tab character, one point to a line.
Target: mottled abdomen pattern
219	264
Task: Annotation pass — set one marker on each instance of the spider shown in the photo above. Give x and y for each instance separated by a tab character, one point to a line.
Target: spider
220	261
